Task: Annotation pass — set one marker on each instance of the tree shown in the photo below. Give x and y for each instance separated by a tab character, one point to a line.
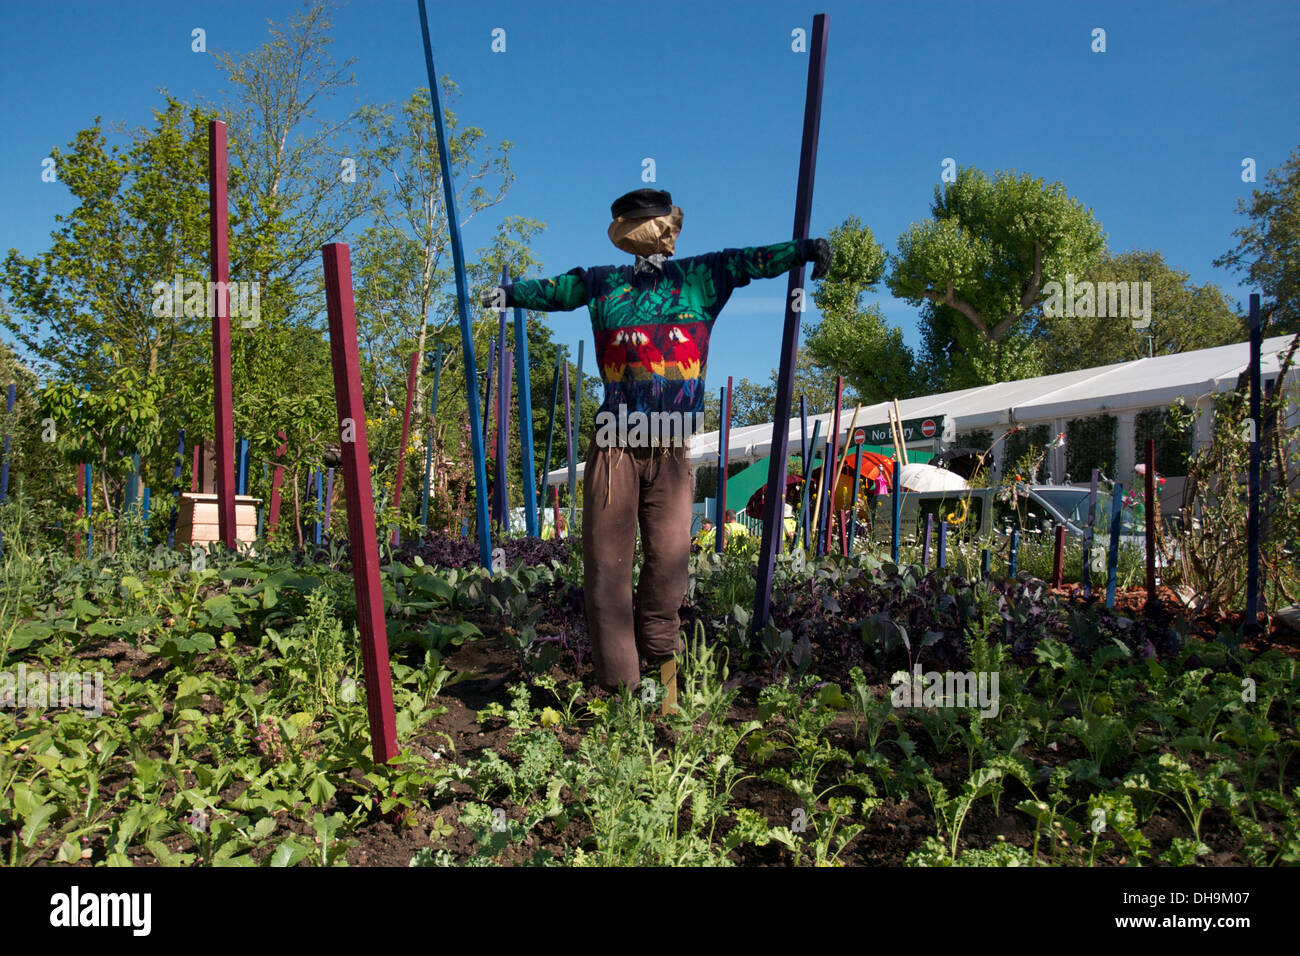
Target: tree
980	266
1268	247
1183	317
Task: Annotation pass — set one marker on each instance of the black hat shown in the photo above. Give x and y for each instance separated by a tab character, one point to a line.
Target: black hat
642	204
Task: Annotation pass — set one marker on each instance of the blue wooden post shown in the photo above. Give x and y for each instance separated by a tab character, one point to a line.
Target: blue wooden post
527	457
462	300
1013	552
487	403
925	546
1089	537
503	443
241	482
1253	474
577	437
943	545
897	492
501	495
1112	559
4	465
144	513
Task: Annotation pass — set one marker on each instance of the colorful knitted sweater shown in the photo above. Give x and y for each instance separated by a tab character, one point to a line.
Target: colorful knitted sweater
652	328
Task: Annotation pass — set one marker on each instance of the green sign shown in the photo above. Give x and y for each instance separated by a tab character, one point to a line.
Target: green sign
914	430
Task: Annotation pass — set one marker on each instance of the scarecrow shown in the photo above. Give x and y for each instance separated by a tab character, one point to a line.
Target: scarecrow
651	320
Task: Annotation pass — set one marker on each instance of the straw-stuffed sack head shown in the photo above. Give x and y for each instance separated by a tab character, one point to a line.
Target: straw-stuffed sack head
645	223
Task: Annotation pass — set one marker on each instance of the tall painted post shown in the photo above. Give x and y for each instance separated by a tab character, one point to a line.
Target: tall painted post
550	428
925	545
507	381
488	408
462	302
428	446
1091	535
772	510
527	457
222	383
1150	515
277	480
805	518
1253	474
802	528
412	371
568	431
261	512
196	466
720	497
1112	559
4	465
176	489
1013	552
556	490
857	484
329	497
241	466
90	512
131	495
1058	558
319	508
577	436
361	511
896	493
943	545
832	469
501	493
144	512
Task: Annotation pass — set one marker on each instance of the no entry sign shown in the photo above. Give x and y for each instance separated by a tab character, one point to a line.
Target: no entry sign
927	428
914	429
859	437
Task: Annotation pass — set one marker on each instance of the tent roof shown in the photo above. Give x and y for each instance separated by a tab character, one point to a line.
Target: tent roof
1125	386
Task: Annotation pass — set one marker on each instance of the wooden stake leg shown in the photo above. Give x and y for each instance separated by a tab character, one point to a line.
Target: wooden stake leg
668	678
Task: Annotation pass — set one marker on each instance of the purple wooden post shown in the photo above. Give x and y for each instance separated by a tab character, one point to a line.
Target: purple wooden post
568	431
925	546
222	387
1253	472
1058	560
500	497
724	435
406	432
361	507
834	467
772	510
1151	519
942	563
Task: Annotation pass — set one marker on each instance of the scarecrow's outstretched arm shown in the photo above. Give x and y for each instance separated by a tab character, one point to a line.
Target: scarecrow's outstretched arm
560	294
738	266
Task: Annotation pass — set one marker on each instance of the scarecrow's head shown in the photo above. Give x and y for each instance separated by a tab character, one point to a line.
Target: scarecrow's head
645	222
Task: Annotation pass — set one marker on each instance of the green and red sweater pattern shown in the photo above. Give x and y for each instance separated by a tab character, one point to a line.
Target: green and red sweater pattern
652	328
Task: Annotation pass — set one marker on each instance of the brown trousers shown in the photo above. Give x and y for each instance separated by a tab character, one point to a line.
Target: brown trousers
621	488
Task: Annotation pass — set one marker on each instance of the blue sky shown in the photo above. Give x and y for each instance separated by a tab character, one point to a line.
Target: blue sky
1150	134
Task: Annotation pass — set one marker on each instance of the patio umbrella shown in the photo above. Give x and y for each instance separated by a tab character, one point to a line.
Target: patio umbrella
755	506
930	478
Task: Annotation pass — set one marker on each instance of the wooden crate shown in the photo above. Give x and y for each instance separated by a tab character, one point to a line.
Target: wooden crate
196	519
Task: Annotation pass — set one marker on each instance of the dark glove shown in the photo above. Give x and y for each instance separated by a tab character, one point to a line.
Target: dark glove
821	258
493	298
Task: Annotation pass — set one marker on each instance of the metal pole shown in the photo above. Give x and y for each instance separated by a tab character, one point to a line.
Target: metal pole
772	510
462	302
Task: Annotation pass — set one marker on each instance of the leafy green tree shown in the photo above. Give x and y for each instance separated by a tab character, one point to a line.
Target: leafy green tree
1268	247
1183	317
853	340
980	264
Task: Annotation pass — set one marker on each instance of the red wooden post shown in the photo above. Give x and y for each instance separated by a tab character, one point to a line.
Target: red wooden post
277	479
361	506
198	463
1058	562
406	431
219	304
844	535
1151	519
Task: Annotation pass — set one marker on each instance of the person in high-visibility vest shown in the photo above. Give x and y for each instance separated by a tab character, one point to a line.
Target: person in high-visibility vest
707	536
